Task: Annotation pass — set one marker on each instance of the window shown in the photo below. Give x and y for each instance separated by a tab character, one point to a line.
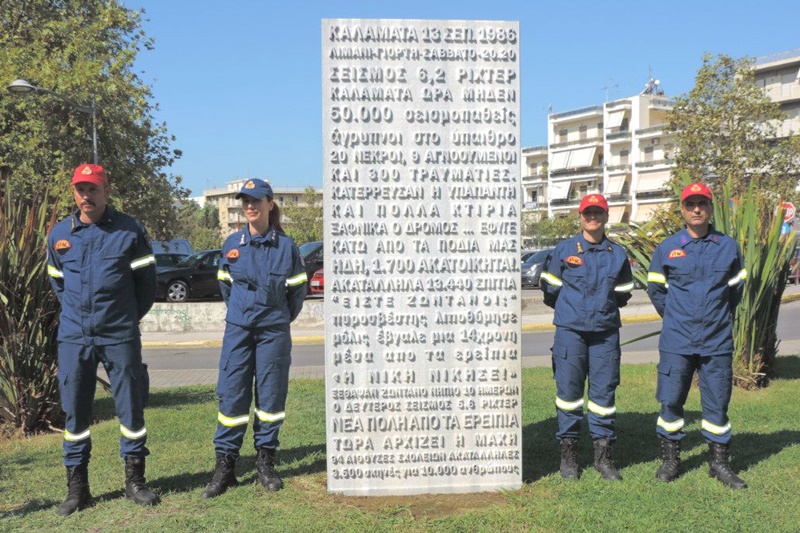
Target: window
582	132
562	135
623	156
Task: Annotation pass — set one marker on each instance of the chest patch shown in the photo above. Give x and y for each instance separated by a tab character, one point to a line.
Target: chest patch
675	254
233	255
574	261
63	245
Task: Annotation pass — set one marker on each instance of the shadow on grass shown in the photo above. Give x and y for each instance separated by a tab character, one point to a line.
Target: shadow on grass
637	443
171	398
312	459
786	367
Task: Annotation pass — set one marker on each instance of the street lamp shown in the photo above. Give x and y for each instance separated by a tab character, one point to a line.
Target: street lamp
23	87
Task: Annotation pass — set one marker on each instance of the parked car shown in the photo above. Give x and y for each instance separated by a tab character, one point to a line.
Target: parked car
317	283
526	254
311	252
794	268
194	277
168	261
532	268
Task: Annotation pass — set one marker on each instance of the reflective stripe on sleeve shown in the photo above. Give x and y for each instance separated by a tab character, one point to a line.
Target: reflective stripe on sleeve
551	279
600	410
133	435
568	406
224	275
297	280
54	272
738	278
715	429
72	437
269	417
656	277
670	427
143	261
625	287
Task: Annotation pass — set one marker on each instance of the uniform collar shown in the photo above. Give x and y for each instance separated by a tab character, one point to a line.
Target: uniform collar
270	238
711	236
583	244
107	218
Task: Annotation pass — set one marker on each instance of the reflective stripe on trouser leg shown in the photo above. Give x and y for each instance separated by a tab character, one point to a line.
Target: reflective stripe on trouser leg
127	376
674	381
604	355
570	364
77	379
715	377
234	388
273	359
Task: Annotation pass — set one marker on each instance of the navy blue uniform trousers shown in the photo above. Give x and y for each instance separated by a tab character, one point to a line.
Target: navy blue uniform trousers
77	380
715	377
252	359
576	355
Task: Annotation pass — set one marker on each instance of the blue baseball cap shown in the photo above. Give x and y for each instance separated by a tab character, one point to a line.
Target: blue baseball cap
255	188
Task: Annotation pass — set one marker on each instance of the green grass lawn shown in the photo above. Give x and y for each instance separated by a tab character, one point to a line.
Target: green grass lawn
181	424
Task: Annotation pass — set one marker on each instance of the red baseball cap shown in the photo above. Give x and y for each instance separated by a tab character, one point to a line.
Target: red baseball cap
593	200
699	189
90	173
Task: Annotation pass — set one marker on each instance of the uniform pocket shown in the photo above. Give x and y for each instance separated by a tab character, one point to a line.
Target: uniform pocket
664	370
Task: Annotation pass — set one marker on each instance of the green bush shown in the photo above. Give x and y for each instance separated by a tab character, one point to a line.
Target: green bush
28	315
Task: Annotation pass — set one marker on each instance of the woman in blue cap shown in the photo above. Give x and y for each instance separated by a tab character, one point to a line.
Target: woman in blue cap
263	282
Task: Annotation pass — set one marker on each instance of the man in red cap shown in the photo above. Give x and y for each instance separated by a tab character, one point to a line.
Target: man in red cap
102	269
695	281
586	280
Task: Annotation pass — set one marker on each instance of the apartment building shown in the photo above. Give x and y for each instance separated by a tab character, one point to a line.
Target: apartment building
231	217
618	149
779	76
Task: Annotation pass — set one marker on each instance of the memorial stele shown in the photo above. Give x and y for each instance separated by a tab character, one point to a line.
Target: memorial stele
421	214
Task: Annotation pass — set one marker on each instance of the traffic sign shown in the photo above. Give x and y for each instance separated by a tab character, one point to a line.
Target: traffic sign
790	211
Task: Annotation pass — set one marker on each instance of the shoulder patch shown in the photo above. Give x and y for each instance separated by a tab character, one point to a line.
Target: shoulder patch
63	245
574	260
233	255
674	254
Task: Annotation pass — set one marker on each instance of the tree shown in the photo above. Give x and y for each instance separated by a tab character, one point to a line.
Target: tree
84	50
199	225
726	126
547	231
303	223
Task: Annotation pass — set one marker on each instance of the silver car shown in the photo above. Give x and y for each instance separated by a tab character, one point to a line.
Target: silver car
532	268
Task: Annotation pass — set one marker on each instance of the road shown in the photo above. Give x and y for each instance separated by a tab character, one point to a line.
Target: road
535	347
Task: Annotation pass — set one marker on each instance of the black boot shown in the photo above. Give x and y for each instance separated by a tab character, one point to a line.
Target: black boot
265	464
719	466
602	460
224	476
569	459
135	488
670	467
78	495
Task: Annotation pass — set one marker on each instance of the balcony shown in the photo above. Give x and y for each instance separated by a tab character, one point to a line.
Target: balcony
591	110
617	168
653	130
588	140
532	205
534	178
661	103
576	171
618	135
534	150
655	163
565	202
624	197
646	195
618	103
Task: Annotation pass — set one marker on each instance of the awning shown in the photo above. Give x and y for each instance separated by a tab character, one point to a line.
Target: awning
615	117
614	184
615	214
645	212
652	181
581	157
559	190
560	160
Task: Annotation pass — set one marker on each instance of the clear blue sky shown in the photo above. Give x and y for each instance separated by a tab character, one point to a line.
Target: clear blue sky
239	82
